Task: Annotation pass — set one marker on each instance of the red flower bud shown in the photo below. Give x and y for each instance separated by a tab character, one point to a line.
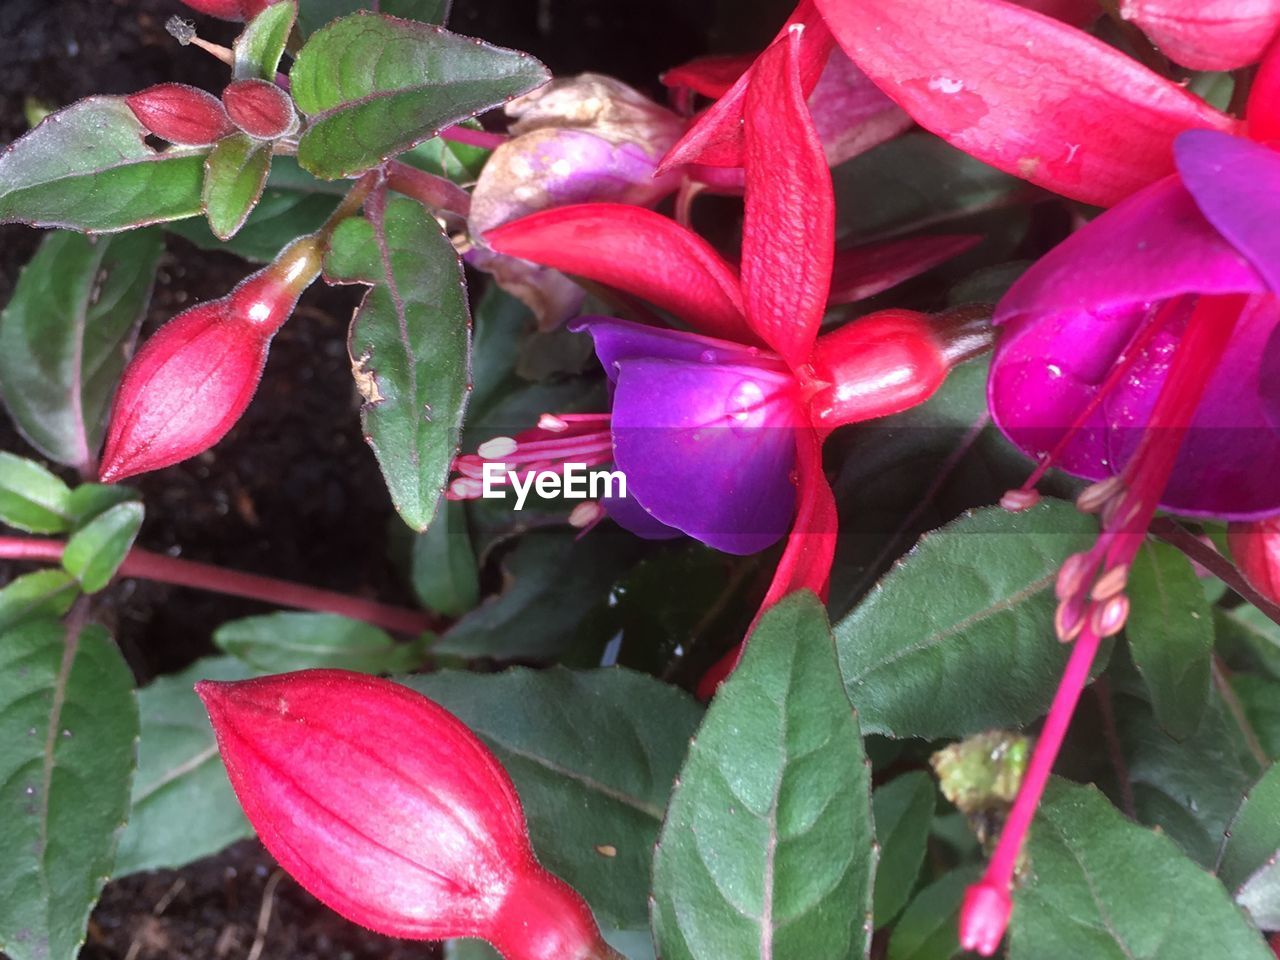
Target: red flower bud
260	109
192	380
888	361
1255	547
388	809
230	9
180	114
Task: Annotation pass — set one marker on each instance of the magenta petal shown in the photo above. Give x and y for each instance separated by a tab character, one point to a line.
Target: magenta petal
1236	184
618	340
708	448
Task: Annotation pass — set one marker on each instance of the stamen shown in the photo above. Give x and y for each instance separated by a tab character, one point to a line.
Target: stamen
552	424
586	515
1110	583
1015	501
1097	495
1069	619
497	448
1107	619
1074	572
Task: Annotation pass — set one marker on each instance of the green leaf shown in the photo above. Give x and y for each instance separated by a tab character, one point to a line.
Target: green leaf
95	551
68	723
593	755
903	811
314	14
632	944
959	636
66	334
530	618
372	86
767	849
1249	862
234	176
1170	634
443	563
88	168
411	343
90	499
1249	630
927	929
1101	887
261	44
459	162
279	642
44	593
183	807
1259	698
32	498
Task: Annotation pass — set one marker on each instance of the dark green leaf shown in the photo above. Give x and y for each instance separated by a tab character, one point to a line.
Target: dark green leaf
279	642
1246	630
1170	634
314	14
459	162
1249	862
443	563
593	755
372	87
66	333
1101	887
183	807
410	340
234	176
88	168
261	44
32	498
959	636
767	848
903	810
97	549
927	929
68	724
1259	698
44	593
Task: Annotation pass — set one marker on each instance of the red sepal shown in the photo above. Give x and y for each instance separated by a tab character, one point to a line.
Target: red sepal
1207	34
710	76
637	251
230	9
788	230
1263	112
716	139
861	272
180	114
260	108
1255	547
1023	92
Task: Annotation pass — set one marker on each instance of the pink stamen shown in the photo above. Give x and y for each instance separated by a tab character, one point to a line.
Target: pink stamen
559	439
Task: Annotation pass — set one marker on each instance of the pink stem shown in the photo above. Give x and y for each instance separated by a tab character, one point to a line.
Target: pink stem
203	576
474	138
431	191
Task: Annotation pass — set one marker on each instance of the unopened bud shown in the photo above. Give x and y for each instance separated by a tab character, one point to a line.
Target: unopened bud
180	114
1255	547
229	9
193	379
1193	34
389	810
260	109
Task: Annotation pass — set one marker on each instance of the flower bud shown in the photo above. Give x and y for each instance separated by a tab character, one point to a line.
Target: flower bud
390	811
1206	34
1255	547
230	9
180	114
193	379
260	109
888	361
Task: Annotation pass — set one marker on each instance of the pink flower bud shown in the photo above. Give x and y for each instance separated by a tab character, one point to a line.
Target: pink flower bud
1207	34
260	109
229	9
180	114
388	809
984	917
1255	547
193	379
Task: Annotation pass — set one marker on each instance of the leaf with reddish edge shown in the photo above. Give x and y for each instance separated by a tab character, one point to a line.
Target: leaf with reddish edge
1207	34
716	139
788	232
861	272
1023	92
637	251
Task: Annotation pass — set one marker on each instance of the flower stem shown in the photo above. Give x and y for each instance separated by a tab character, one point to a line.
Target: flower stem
435	193
160	568
474	138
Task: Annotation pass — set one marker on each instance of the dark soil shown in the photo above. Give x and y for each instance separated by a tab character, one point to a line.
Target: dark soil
293	491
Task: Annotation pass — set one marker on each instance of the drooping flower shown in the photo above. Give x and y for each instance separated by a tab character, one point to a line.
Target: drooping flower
1136	354
390	811
719	433
194	377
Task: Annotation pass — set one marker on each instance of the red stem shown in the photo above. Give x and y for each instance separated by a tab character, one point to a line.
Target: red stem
474	138
431	191
203	576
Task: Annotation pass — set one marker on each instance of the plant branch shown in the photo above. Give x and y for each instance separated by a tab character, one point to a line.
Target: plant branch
1115	753
160	568
474	138
1176	535
1222	684
435	193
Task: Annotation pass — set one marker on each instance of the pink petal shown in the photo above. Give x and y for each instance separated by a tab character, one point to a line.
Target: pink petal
1207	34
861	272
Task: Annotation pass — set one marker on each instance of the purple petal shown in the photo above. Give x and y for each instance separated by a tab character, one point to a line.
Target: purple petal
1270	379
708	449
627	512
1236	184
619	340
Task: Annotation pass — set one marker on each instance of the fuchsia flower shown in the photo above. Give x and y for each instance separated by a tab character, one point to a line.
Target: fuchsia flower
1255	547
1141	353
719	433
1207	34
390	811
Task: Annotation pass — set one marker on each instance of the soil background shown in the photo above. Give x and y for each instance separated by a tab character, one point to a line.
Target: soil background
293	491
